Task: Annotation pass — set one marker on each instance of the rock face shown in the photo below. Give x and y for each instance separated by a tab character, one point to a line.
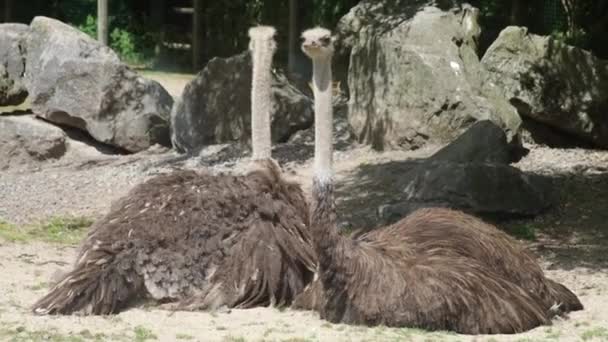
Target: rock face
12	63
25	140
215	107
475	178
555	84
414	75
73	80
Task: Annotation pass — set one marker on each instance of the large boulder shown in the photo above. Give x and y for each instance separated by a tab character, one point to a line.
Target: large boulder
414	75
489	190
26	141
215	107
475	178
12	63
559	85
74	80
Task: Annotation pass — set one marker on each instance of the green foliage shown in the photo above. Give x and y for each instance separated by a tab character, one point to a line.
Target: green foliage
144	334
63	230
133	48
600	334
328	12
524	232
89	26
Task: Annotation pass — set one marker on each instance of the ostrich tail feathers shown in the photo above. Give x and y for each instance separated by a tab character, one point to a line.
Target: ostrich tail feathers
565	300
90	289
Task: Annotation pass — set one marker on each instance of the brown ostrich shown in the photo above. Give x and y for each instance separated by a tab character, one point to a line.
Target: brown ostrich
437	269
197	240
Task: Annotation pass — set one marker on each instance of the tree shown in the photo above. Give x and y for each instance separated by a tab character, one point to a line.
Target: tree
293	36
198	34
102	21
8	9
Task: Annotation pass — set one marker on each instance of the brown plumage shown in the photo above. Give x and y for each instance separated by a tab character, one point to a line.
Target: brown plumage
437	269
201	240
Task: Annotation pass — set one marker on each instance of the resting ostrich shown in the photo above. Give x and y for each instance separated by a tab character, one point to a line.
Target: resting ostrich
436	269
196	240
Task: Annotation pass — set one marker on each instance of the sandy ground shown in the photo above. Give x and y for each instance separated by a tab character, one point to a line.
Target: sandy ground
30	267
579	261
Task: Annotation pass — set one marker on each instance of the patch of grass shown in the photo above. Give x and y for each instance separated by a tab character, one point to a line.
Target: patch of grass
599	333
234	339
62	230
39	286
221	328
297	339
143	334
21	334
524	231
184	337
552	334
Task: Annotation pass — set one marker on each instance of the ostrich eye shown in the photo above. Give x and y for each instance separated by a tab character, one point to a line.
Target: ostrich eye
325	40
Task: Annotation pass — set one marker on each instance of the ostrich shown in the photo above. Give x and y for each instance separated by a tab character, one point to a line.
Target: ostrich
195	240
437	269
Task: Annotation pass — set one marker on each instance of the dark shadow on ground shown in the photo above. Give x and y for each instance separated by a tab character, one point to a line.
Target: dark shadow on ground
574	233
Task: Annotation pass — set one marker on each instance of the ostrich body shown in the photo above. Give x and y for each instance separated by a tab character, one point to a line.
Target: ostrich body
198	240
436	269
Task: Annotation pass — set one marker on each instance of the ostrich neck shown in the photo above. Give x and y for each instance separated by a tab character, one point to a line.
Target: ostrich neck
261	102
322	89
323	213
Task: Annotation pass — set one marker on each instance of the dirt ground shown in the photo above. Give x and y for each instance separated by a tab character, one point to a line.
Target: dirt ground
571	241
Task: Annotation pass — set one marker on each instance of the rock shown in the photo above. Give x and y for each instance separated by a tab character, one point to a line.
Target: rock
414	76
25	140
470	174
12	63
555	84
215	107
489	190
484	142
75	81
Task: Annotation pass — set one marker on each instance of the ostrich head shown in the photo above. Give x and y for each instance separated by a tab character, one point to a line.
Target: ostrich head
262	38
317	43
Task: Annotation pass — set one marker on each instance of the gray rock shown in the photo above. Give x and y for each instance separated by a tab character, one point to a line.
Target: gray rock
12	63
490	190
484	142
26	141
215	107
559	85
414	76
74	80
470	174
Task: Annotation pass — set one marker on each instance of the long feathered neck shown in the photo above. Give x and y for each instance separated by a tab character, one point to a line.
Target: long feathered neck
323	162
262	50
323	216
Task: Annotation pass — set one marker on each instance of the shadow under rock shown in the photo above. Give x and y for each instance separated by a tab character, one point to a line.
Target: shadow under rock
573	233
369	188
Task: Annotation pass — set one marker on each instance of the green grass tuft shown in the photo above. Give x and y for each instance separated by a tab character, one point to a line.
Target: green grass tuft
144	334
234	339
599	333
61	230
